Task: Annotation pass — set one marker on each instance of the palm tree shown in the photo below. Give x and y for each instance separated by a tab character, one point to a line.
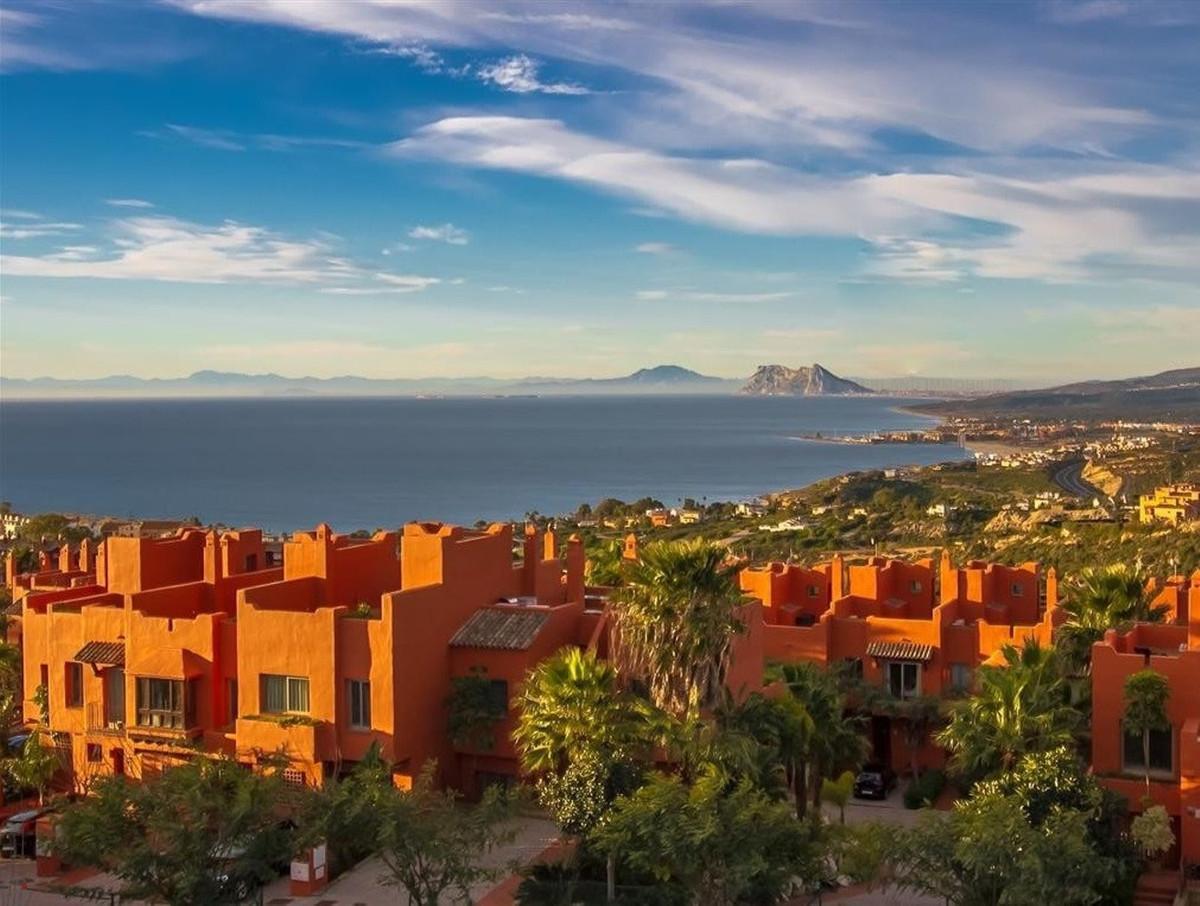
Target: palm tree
605	567
570	703
674	623
1146	695
1112	597
833	744
1017	708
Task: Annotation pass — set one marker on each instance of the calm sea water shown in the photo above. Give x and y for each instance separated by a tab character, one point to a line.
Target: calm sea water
366	463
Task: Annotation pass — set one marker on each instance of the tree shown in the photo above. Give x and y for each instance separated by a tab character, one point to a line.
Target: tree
205	832
838	792
37	765
1113	597
11	691
431	846
674	623
472	712
345	812
1146	695
1045	829
985	853
722	845
606	566
835	743
570	703
1017	708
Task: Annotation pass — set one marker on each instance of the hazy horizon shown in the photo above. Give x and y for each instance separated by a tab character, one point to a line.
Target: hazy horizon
985	191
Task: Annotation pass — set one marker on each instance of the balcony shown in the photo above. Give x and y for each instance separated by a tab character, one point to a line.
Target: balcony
101	723
297	737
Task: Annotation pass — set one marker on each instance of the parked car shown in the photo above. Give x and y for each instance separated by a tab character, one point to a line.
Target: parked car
18	838
874	781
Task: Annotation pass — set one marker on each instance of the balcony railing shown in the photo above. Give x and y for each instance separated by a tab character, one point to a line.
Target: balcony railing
100	722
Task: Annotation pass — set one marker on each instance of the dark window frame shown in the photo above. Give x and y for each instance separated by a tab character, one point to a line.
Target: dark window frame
358	702
73	684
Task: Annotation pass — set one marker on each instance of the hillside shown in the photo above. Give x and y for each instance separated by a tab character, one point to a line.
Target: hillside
779	380
1167	396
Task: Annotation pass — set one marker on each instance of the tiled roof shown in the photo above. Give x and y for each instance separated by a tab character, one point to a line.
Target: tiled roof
110	654
900	651
508	628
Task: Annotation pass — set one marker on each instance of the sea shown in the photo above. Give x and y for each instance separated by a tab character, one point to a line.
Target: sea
367	463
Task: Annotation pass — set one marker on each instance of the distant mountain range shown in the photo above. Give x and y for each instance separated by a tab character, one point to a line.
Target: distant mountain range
779	380
1167	396
661	379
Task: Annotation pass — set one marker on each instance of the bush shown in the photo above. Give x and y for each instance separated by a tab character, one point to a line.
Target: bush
924	791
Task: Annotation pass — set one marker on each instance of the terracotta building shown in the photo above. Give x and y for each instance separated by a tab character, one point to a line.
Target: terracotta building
1118	757
912	628
194	642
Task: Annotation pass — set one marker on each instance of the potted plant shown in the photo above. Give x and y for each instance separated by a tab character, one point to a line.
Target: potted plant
1151	833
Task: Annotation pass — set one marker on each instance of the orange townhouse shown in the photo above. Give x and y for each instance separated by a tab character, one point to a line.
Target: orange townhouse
356	645
194	643
911	628
1118	756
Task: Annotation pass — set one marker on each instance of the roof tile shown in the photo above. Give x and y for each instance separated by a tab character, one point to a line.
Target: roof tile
506	628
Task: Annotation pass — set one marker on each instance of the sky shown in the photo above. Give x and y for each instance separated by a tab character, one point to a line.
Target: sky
412	188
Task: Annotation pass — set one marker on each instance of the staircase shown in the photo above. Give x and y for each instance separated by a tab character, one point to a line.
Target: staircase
1156	888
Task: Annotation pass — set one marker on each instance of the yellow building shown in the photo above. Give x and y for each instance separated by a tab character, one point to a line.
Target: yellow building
1174	504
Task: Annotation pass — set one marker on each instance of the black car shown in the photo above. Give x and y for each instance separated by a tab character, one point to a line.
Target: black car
874	781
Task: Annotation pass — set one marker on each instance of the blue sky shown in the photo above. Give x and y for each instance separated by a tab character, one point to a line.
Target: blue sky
437	188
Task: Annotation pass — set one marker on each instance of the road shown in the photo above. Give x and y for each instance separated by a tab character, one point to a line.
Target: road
1069	477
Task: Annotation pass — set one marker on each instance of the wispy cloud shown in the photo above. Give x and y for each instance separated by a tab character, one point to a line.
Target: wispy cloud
519	74
1059	225
167	249
689	295
128	203
228	140
30	225
446	232
656	248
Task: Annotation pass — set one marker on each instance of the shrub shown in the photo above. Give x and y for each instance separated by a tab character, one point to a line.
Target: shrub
924	791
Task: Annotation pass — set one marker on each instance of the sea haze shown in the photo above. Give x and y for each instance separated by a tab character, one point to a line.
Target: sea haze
286	464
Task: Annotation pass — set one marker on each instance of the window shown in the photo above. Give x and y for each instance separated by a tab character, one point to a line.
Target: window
284	694
1162	750
251	562
498	696
904	679
74	684
1017	591
960	677
359	692
160	703
231	701
914	586
814	591
94	752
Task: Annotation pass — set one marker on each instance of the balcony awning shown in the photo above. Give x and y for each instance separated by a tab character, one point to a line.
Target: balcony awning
510	629
900	651
106	654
